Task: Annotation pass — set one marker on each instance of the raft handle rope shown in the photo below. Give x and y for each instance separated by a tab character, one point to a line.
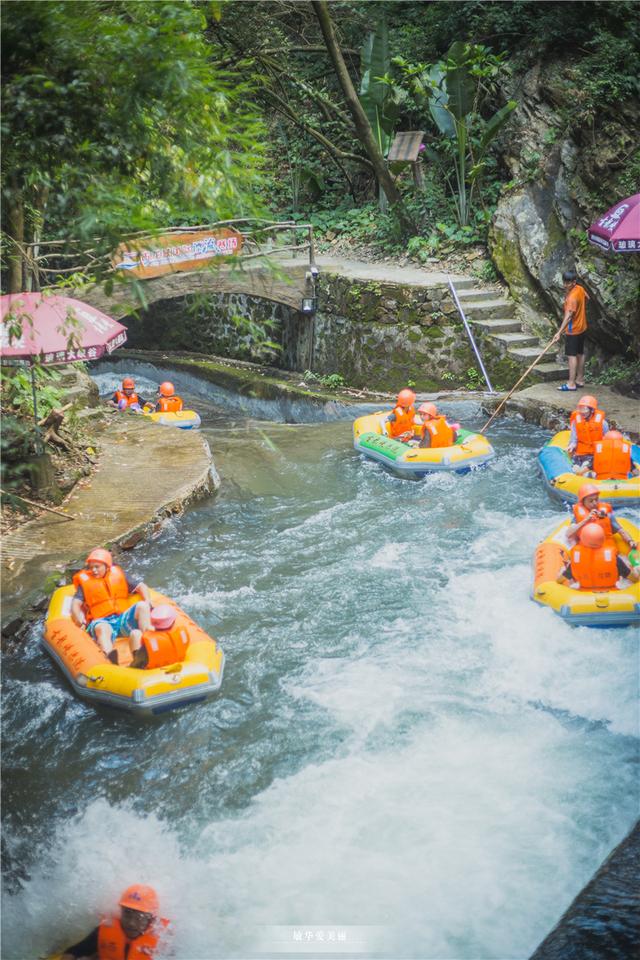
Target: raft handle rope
469	333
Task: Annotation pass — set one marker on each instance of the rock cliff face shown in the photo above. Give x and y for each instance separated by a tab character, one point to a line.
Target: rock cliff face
563	177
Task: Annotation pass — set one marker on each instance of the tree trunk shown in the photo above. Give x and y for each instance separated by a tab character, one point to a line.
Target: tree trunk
15	231
362	125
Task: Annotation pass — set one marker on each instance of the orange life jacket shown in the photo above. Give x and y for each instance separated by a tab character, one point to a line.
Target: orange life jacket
403	422
130	398
113	941
440	432
169	404
594	569
165	646
581	513
612	458
588	432
103	595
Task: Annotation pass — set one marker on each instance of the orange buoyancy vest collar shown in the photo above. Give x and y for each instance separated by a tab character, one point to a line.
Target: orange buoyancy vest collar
114	944
440	431
588	432
165	646
403	422
130	398
581	513
103	596
169	404
594	569
612	459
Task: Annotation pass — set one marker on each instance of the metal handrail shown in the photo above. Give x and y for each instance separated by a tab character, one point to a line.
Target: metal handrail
469	333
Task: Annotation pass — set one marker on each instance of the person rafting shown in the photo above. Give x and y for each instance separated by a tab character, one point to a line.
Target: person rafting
399	423
594	565
126	396
612	458
590	509
588	426
100	604
436	430
165	643
134	935
168	402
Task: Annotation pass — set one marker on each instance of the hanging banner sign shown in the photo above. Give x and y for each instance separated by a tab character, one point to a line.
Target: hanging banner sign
177	252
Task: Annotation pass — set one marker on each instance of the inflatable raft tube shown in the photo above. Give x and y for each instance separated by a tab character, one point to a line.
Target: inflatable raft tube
141	692
470	450
583	608
556	468
183	419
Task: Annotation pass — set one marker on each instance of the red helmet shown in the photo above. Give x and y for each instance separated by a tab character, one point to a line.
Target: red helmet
405	398
588	401
167	389
128	383
100	556
163	617
587	490
428	409
592	535
139	897
613	435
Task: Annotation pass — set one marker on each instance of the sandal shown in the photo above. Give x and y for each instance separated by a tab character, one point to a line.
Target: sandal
580	386
567	389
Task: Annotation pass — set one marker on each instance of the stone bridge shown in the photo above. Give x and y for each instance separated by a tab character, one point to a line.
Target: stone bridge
282	281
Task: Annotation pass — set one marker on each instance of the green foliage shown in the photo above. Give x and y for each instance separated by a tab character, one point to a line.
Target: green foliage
114	120
486	272
475	380
332	381
17	393
617	370
16	445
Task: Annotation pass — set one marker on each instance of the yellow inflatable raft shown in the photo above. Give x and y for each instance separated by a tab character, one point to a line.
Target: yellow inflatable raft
583	608
183	419
557	471
143	692
406	460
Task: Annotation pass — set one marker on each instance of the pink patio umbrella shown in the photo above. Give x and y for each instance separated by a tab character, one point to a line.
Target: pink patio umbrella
53	329
619	228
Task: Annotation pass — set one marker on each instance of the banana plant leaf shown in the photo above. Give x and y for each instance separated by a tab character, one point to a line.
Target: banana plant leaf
499	118
439	100
461	87
377	98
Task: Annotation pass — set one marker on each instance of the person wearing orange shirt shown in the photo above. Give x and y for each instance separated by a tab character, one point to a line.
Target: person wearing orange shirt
574	325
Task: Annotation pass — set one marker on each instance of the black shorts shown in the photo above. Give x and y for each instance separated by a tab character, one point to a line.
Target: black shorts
574	344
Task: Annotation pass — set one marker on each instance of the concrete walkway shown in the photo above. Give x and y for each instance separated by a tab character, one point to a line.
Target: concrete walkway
544	404
145	472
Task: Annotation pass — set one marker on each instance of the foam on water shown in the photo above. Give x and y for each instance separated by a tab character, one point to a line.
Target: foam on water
403	739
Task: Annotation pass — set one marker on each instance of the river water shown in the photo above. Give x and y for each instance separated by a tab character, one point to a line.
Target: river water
408	758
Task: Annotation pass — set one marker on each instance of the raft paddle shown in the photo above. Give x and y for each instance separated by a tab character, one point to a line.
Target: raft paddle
515	387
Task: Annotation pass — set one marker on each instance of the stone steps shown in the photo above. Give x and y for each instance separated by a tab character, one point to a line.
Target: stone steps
491	312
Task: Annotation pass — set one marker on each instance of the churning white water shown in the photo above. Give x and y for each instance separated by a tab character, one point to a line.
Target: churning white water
408	757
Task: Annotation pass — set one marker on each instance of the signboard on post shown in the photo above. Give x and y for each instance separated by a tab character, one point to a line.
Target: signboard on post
175	253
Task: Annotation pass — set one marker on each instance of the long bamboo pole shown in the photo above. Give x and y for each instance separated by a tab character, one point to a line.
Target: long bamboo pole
515	387
40	506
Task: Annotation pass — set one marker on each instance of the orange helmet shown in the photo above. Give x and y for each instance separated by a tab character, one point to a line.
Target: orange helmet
128	383
428	409
167	389
592	535
587	490
613	435
100	556
139	897
406	398
588	401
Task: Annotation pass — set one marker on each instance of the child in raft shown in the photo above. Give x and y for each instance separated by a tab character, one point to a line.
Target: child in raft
436	430
126	396
612	458
168	402
587	427
590	509
596	565
399	423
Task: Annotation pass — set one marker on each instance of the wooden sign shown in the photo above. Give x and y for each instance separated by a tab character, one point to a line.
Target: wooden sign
406	146
176	253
